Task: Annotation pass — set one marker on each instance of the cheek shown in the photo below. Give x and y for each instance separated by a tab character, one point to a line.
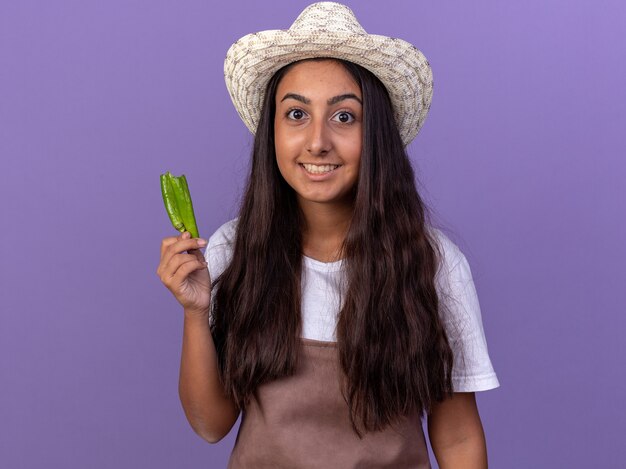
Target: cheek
352	147
287	147
281	142
283	155
282	167
355	152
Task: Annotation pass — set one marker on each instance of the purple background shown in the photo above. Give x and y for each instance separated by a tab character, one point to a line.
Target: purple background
521	158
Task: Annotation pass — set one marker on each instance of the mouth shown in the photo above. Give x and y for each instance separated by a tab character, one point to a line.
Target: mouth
319	168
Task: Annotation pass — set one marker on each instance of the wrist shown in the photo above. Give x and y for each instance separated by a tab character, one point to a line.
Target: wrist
194	314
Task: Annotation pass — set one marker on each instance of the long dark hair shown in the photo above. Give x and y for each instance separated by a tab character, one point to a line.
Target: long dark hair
391	342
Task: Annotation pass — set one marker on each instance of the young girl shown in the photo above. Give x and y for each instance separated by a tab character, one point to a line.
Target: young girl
330	312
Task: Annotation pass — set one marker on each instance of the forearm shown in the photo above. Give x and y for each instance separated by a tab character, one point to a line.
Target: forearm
207	409
456	433
470	453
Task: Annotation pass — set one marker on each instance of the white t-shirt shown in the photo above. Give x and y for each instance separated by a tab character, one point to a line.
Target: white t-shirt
323	283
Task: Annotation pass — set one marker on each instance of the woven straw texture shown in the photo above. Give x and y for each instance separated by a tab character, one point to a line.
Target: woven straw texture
329	29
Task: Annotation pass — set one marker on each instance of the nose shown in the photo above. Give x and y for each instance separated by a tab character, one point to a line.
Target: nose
319	140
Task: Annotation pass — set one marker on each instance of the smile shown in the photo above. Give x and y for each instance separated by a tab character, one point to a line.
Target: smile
318	168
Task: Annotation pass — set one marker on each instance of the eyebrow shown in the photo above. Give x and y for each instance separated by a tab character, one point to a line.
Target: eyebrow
330	102
343	97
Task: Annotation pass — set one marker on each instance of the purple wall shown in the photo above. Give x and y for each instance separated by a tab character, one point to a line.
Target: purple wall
522	157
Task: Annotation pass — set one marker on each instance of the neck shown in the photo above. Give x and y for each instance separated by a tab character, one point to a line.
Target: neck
325	229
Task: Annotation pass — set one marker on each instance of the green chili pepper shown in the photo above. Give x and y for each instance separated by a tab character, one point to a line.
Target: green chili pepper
177	200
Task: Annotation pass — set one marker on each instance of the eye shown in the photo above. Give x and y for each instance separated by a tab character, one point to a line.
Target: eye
344	117
295	114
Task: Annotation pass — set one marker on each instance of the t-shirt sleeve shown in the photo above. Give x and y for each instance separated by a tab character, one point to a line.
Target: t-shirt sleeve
219	251
472	370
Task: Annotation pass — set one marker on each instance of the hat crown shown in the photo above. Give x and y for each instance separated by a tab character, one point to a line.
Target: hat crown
329	17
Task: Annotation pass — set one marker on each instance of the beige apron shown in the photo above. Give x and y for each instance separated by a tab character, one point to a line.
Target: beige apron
302	422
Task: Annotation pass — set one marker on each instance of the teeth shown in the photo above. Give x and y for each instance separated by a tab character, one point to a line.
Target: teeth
319	169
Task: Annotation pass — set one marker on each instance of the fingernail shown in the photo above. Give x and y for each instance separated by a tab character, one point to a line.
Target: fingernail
201	242
186	235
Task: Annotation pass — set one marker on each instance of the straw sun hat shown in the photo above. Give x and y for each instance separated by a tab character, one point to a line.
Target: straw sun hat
329	29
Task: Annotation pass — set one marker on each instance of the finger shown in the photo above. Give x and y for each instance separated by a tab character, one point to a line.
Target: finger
200	257
185	269
169	269
172	239
166	242
181	246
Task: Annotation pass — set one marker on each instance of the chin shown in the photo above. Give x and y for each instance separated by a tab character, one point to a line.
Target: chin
326	199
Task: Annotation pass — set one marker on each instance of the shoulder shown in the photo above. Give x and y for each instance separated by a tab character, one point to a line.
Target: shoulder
449	255
224	235
453	280
219	250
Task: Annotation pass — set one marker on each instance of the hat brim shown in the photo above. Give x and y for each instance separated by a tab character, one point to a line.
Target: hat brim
255	58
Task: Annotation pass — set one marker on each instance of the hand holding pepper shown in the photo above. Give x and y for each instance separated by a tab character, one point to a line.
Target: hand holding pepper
186	274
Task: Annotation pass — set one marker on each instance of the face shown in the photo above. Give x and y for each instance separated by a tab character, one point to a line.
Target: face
317	131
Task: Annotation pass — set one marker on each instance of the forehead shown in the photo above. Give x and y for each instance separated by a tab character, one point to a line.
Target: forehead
323	77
